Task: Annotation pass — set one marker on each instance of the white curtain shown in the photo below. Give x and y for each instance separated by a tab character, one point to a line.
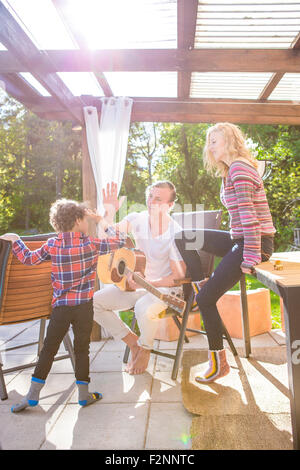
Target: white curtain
107	141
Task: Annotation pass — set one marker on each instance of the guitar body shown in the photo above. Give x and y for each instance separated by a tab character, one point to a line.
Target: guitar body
111	267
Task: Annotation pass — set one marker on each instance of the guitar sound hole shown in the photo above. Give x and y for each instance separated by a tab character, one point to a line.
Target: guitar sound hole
121	268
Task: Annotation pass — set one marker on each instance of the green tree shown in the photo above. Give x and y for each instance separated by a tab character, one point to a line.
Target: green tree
182	163
40	161
142	153
280	146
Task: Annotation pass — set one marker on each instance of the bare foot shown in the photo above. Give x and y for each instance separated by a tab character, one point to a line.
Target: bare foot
131	340
134	350
141	363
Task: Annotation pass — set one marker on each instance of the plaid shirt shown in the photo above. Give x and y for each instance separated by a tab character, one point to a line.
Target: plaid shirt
74	260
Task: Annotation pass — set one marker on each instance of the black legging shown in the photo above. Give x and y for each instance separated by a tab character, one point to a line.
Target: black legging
226	275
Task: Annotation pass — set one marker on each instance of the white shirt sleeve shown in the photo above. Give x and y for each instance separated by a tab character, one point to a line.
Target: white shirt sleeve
130	217
174	253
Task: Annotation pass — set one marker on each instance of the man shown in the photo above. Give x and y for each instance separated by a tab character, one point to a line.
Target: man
153	231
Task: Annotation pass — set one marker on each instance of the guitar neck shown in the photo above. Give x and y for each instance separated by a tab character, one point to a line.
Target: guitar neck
171	300
141	281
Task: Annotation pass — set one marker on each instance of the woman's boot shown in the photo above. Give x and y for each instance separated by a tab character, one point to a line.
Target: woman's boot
217	367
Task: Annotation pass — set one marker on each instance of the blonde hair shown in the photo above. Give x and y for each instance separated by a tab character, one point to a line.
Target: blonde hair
235	148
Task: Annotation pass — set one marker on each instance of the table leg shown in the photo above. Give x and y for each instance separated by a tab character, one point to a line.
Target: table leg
291	302
245	317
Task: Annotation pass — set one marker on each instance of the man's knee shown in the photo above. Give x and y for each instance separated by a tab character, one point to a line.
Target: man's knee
100	301
149	312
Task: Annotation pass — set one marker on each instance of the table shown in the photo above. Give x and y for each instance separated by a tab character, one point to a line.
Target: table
286	283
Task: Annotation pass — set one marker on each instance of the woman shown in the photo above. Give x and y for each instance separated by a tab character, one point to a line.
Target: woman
249	241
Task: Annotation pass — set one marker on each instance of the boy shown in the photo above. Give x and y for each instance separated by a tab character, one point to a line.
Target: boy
73	256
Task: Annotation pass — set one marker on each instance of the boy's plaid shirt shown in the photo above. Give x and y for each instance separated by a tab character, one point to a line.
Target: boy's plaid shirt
74	261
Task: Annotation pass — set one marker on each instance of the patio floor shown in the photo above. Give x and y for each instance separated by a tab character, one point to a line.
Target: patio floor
136	412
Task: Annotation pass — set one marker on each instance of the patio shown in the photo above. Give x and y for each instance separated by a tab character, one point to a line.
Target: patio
212	70
136	412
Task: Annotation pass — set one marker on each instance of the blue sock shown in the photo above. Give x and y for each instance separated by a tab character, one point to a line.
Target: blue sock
32	397
84	397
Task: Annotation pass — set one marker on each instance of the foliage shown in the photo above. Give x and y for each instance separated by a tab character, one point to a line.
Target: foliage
141	154
40	161
182	163
280	146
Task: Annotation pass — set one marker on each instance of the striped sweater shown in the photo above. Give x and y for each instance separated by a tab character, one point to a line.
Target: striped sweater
243	194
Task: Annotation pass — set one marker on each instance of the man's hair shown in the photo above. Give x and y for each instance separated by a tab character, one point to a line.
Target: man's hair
64	213
163	184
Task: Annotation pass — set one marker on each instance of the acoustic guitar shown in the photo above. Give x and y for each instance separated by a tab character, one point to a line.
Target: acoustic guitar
113	267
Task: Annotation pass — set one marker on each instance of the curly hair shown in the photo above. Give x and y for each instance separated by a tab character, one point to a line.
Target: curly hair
235	147
64	213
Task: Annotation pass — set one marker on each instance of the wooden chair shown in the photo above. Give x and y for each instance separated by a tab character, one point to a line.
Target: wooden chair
25	295
210	220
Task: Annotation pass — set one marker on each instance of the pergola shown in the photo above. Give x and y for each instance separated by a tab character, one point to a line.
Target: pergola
236	61
216	60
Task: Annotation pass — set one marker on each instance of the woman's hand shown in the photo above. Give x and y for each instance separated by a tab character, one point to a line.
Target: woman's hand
111	202
246	270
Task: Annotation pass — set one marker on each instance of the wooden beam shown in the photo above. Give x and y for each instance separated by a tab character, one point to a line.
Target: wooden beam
275	79
36	62
62	8
20	89
200	111
272	83
186	29
89	191
296	43
166	60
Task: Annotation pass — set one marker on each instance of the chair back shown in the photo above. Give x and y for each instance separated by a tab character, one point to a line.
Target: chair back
200	220
25	291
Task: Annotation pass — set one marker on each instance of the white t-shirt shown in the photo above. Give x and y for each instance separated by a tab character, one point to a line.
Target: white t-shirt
158	250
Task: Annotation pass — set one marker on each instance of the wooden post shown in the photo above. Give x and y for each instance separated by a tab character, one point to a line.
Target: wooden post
89	191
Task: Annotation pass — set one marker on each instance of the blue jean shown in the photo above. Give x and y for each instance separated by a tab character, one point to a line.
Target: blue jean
225	276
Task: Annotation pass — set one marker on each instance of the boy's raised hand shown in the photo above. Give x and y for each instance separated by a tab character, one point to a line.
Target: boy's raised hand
111	202
12	237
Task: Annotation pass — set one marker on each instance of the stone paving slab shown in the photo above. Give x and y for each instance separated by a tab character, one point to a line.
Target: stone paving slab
169	427
119	387
101	426
136	412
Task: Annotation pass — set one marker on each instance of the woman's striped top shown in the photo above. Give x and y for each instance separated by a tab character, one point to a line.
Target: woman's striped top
243	194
